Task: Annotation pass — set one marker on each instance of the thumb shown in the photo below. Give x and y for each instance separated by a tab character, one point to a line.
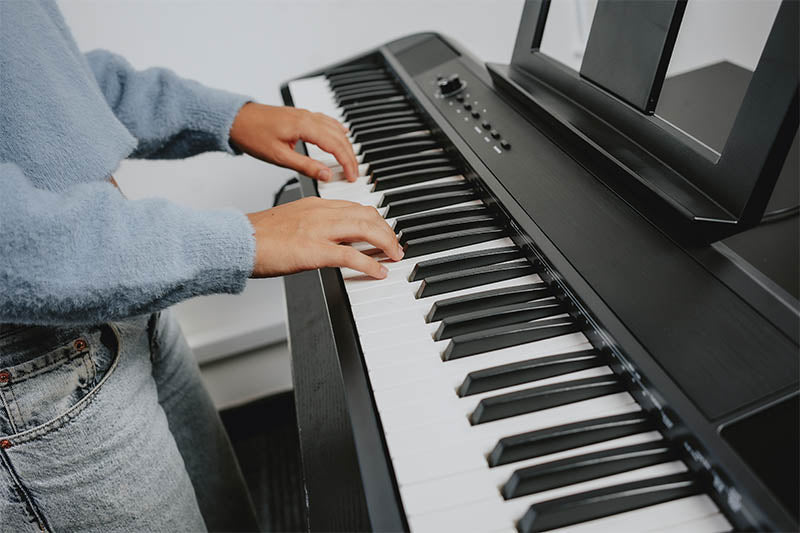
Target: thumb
306	165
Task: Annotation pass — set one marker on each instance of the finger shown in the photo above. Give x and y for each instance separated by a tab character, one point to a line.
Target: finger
304	164
365	224
333	141
347	257
336	123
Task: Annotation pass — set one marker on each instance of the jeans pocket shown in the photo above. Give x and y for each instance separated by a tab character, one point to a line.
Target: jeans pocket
40	391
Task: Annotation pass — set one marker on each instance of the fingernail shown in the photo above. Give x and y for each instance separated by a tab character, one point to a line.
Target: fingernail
400	251
324	174
384	272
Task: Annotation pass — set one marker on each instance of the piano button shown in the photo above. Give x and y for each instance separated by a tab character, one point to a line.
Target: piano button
498	316
486	299
410	146
452	240
504	336
459	261
389	130
583	507
473	277
556	474
437	228
411	177
379	119
368	111
431	217
568	436
425	190
419	163
489	379
430	202
538	398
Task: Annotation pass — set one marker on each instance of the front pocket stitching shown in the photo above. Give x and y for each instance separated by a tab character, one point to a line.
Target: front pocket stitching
75	410
41	521
8	410
55	365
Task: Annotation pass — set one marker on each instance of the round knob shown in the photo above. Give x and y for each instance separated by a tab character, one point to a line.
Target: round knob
451	85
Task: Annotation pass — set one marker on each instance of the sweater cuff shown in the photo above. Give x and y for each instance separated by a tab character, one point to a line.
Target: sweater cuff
213	111
221	248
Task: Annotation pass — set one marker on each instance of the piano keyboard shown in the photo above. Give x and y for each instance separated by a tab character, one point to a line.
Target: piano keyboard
498	413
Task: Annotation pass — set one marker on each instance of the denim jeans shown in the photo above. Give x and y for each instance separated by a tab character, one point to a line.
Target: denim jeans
109	428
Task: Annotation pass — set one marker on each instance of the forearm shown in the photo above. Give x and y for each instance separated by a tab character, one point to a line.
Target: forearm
171	117
89	255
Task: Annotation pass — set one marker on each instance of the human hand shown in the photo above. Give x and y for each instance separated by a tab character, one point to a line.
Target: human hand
269	133
306	234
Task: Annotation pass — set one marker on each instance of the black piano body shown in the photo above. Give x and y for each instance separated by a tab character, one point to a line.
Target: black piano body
703	327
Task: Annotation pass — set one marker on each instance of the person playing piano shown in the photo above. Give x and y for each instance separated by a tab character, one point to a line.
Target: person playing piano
105	424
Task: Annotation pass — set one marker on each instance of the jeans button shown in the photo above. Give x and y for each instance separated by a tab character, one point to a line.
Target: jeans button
5	444
5	376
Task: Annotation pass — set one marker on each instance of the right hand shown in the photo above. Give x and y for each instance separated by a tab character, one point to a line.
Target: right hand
308	233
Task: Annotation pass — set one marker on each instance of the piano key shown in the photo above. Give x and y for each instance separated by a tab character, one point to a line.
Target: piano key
353	107
538	398
546	476
472	277
433	153
438	215
498	316
452	240
371	85
411	177
568	436
504	336
356	81
453	306
417	163
369	111
415	191
357	192
411	146
353	68
493	512
440	228
460	261
388	130
382	118
391	140
712	523
477	483
493	378
606	501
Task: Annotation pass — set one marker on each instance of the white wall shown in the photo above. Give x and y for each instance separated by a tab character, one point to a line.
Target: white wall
251	47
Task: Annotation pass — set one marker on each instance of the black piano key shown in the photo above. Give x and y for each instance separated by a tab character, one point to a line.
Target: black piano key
547	476
412	146
394	140
486	299
462	261
362	97
411	177
388	130
449	241
375	109
423	190
452	213
385	100
437	228
608	501
432	201
409	164
544	397
356	81
497	316
356	75
365	86
473	277
381	118
364	125
506	336
511	374
568	437
352	68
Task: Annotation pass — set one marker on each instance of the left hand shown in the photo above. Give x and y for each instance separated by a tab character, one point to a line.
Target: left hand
270	133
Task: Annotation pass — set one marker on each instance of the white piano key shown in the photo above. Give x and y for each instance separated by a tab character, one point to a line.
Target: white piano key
676	515
385	373
496	513
484	482
715	523
363	194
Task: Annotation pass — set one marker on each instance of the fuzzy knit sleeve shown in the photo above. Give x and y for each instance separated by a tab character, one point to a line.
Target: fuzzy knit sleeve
171	117
88	255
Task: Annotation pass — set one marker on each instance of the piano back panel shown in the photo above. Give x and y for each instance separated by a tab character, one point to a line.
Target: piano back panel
687	344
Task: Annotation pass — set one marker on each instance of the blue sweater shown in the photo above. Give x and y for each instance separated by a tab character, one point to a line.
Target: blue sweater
72	248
